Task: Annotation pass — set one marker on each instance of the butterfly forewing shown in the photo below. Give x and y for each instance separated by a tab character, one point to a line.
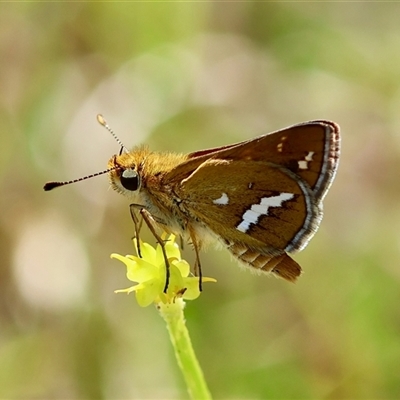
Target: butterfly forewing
310	150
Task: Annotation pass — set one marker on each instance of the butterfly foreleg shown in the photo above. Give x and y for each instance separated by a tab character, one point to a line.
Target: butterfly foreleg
137	223
151	223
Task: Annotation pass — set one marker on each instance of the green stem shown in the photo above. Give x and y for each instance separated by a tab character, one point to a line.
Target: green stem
174	317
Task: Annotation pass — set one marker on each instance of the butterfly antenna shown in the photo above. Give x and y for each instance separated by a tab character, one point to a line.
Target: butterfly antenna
103	122
51	185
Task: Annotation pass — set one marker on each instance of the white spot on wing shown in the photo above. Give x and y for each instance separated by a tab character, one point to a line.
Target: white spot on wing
252	215
243	226
303	164
309	156
279	146
223	200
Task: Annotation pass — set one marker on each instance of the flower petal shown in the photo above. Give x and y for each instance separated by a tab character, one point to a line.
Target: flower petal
183	266
147	252
171	249
127	290
126	260
142	271
148	292
176	282
192	289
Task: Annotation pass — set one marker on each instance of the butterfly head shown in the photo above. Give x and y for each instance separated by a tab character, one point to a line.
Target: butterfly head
125	173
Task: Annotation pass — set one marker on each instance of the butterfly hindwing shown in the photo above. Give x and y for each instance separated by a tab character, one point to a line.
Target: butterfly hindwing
252	201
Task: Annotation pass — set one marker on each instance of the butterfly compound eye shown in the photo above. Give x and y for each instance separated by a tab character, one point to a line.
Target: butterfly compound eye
130	180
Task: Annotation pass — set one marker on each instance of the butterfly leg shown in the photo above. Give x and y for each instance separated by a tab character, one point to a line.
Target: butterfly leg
148	219
138	225
197	265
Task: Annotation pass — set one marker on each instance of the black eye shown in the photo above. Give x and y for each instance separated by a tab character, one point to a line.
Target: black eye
130	180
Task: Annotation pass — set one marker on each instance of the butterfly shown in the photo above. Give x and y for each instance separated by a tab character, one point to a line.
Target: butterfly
260	198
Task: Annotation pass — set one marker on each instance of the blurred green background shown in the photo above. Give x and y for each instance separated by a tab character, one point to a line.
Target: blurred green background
185	76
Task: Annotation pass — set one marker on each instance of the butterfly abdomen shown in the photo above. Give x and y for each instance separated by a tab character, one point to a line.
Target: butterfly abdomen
280	265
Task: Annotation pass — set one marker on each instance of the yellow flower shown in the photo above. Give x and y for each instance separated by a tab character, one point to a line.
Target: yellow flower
149	272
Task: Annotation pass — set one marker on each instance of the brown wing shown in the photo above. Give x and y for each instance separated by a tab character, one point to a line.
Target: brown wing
254	202
310	150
